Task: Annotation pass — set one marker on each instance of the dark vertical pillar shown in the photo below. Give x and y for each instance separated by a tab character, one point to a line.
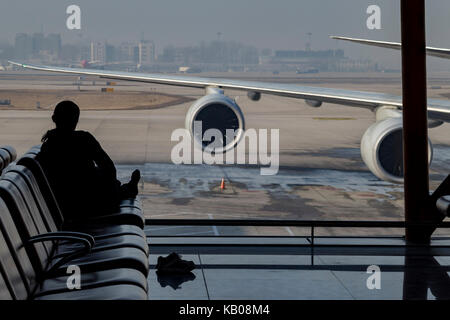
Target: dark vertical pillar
415	123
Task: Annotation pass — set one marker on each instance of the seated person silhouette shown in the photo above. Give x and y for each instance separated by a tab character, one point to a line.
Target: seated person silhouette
81	174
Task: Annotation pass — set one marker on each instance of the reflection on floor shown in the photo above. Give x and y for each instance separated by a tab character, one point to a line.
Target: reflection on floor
336	269
174	280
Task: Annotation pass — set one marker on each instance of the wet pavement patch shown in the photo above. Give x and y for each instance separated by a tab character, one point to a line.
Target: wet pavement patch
194	191
190	181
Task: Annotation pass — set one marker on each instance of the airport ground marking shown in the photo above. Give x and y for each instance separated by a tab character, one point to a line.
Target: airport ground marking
290	231
215	230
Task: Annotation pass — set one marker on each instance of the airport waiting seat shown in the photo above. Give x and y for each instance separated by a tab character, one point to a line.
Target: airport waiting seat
102	242
20	279
16	193
7	156
5	294
129	221
130	211
35	253
440	198
443	205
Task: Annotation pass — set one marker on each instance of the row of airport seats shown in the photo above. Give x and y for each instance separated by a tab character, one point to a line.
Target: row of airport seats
441	197
130	209
41	258
443	205
7	156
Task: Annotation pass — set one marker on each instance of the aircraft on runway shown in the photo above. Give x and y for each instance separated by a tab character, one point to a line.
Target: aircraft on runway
381	144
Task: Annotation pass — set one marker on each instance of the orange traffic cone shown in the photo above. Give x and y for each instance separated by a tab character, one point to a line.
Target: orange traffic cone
222	184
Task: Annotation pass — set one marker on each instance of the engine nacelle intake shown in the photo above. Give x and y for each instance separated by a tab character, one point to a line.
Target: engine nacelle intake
216	111
382	149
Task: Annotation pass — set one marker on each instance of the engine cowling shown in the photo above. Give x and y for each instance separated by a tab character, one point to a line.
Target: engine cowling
254	96
216	111
313	103
382	149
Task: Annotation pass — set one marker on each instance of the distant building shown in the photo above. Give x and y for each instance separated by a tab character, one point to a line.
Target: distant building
53	45
39	44
23	46
213	55
146	52
6	52
312	61
102	52
301	54
98	52
110	55
129	52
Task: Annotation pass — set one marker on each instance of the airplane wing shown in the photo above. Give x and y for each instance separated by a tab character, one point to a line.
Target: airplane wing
437	109
434	52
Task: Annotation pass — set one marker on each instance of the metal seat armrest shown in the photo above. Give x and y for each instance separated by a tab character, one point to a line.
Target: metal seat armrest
54	236
76	234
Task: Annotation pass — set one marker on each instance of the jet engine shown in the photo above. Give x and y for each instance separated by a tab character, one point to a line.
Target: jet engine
253	95
215	111
382	149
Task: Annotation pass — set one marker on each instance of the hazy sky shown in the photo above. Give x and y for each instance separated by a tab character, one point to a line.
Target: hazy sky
262	23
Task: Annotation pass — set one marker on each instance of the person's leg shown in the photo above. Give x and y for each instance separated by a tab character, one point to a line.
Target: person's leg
105	193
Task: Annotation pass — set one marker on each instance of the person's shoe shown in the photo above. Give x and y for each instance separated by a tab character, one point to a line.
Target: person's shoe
163	261
173	264
174	280
130	189
135	177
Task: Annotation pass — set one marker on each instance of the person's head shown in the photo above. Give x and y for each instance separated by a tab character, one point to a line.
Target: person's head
66	115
